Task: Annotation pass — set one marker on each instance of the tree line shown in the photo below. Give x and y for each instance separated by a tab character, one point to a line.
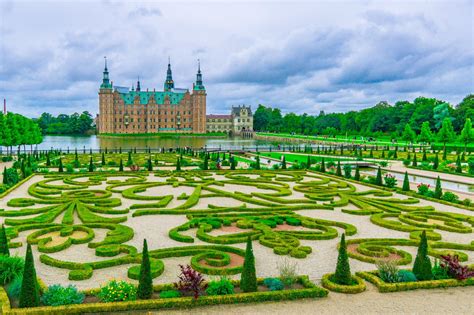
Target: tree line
74	124
17	130
381	119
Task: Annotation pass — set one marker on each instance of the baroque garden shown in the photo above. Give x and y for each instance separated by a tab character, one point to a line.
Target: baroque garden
86	216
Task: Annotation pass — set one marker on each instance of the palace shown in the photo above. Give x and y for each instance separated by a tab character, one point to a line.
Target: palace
172	110
239	122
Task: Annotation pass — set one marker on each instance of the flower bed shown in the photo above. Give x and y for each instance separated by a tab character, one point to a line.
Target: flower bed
306	289
383	286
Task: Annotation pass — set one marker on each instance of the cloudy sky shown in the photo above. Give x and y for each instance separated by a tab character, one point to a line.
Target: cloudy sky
299	56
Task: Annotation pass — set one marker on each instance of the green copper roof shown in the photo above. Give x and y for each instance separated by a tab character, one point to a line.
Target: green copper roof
199	88
129	97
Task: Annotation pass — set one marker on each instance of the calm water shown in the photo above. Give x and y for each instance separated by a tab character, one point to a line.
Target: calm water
94	142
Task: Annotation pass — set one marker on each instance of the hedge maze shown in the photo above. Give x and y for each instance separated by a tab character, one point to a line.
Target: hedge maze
222	209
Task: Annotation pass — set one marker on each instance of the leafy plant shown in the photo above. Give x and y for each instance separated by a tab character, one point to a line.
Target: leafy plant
273	284
4	242
14	288
59	295
116	291
449	196
406	276
439	271
145	283
222	286
388	271
11	267
288	272
390	180
168	294
190	281
455	269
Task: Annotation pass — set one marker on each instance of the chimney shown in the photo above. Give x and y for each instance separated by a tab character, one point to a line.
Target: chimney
4	106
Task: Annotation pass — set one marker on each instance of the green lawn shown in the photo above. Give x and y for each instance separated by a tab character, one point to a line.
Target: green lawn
301	158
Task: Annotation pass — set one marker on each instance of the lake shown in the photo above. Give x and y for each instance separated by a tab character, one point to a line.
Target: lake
94	142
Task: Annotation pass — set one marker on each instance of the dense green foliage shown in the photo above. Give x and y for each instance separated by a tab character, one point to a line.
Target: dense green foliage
343	269
145	282
222	286
116	291
11	267
4	242
29	294
18	130
58	295
248	280
381	118
75	124
422	265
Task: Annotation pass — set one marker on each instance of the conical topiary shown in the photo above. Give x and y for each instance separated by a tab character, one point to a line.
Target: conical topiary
458	165
323	166
283	163
438	193
422	265
343	270
178	164
102	162
248	279
149	166
378	177
60	169
415	163
436	162
121	165
357	173
308	162
4	242
91	165
406	183
145	282
338	169
29	293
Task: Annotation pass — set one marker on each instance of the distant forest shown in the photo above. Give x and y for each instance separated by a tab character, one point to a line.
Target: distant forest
75	124
381	119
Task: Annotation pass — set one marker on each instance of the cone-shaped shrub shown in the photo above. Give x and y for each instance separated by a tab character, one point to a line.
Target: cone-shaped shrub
121	165
436	162
29	293
149	166
205	165
4	242
424	158
248	280
129	161
415	163
103	159
60	169
178	164
338	169
458	165
308	162
343	270
145	282
383	154
438	191
5	180
91	165
283	163
357	173
378	178
445	154
323	166
48	160
406	183
257	162
233	162
422	266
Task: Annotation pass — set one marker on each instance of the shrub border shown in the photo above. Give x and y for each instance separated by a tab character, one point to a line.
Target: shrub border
351	289
383	287
310	290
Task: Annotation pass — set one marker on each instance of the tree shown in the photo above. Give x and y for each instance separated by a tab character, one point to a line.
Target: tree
178	164
426	135
308	162
406	183
422	265
91	165
121	165
338	169
357	173
436	162
415	162
149	165
283	163
4	242
458	164
205	165
29	293
257	162
446	133
145	282
103	159
467	133
60	169
248	280
378	178
342	275
440	114
408	134
323	167
438	193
